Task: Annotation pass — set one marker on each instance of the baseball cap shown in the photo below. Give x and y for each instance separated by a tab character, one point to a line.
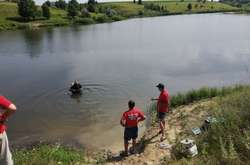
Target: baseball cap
160	85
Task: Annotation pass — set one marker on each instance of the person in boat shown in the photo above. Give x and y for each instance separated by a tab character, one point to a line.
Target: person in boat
75	87
7	108
129	121
163	102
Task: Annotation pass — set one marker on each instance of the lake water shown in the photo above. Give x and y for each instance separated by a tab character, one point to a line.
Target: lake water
114	62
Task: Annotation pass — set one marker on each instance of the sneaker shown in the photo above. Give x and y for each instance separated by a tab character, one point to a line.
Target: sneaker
124	154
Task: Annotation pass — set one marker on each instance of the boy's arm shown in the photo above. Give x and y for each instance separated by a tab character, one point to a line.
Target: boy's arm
123	121
142	117
9	108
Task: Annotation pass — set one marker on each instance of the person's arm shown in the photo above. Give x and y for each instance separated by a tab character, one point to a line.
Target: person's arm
154	99
141	117
123	121
9	108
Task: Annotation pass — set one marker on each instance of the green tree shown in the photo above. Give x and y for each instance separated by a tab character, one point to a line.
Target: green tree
189	6
92	2
73	8
48	3
140	2
27	9
61	4
46	10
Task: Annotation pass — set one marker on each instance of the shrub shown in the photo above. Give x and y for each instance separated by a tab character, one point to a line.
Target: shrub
117	18
85	12
84	21
101	18
46	11
27	9
73	8
140	13
91	8
110	12
189	6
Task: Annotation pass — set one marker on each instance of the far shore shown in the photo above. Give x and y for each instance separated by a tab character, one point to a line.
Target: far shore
10	20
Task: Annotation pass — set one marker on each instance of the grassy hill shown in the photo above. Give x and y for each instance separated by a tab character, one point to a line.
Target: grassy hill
9	18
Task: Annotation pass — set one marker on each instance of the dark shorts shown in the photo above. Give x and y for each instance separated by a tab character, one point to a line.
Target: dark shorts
161	115
130	133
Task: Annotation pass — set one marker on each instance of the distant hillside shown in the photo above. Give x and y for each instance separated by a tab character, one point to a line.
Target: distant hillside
107	12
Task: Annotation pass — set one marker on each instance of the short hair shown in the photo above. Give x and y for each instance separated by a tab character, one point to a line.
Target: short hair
131	104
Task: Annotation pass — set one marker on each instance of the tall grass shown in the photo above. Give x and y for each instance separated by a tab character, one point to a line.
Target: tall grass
203	93
228	140
49	155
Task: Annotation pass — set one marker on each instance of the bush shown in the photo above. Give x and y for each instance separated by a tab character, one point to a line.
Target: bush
73	8
189	6
140	13
61	4
46	11
91	8
84	21
101	18
110	12
117	18
85	12
27	9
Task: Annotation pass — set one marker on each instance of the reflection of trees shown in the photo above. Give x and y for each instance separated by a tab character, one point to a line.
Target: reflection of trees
32	39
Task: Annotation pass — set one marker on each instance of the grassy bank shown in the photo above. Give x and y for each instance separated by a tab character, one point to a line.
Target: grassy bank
49	154
9	18
227	140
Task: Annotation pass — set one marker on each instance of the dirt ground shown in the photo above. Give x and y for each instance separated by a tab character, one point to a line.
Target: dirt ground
178	125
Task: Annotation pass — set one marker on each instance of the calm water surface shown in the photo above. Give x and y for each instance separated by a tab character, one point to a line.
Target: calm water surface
115	62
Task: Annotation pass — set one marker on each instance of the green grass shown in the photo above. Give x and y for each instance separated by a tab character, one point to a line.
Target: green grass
124	10
195	95
48	154
181	7
228	140
203	93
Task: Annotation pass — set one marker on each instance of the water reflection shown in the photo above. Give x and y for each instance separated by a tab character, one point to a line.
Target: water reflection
34	42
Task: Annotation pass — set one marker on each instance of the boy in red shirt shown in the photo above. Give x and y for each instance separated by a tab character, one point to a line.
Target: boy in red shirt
162	108
130	121
6	109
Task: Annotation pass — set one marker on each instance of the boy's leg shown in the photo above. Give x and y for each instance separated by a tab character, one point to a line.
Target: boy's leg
161	117
6	157
126	146
134	143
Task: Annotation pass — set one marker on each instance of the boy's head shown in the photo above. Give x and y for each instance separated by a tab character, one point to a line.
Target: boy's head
160	86
131	104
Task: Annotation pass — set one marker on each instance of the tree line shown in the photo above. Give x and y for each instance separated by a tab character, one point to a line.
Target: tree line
28	10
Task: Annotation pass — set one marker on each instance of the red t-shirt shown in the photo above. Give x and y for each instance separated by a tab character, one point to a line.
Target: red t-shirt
163	101
4	103
132	116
